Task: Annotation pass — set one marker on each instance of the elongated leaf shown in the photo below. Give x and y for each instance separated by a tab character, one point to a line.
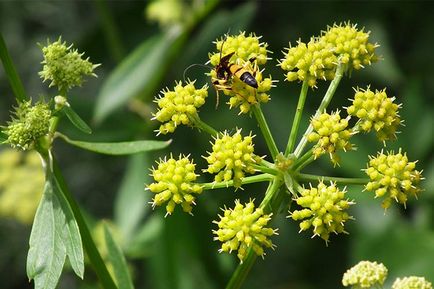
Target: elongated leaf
11	73
117	259
47	252
140	72
71	234
3	137
118	148
76	120
129	207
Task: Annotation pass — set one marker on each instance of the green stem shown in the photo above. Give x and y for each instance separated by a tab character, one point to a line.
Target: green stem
201	125
246	180
300	162
270	203
265	130
338	180
322	107
88	243
265	169
297	118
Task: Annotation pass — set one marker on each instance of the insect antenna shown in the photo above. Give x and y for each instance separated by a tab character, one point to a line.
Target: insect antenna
192	65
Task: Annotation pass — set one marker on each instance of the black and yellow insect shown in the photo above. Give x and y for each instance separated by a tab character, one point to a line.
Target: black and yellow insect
224	70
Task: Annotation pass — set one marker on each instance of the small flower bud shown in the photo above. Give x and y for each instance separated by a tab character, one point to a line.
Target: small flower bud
231	157
176	106
412	282
365	274
324	210
393	177
64	66
174	184
243	227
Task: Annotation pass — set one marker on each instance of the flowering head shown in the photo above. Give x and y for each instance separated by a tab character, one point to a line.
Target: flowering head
178	106
309	62
393	177
330	134
244	227
365	274
350	45
231	157
30	123
174	184
64	66
412	282
376	112
324	209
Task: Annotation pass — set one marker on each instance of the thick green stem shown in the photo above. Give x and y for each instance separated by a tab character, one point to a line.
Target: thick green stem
303	160
246	180
322	107
269	204
198	123
265	130
338	180
297	118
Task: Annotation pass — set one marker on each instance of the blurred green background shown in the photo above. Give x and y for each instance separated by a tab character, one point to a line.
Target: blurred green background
140	57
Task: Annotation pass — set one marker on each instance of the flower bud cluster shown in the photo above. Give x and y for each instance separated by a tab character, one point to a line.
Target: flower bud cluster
412	282
64	66
231	157
393	177
318	59
330	134
244	47
30	123
21	184
177	106
174	184
324	209
376	111
350	45
244	227
365	274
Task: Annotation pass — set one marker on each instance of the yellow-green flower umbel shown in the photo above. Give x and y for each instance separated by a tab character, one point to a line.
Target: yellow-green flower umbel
412	282
324	209
330	134
244	227
231	157
174	184
393	177
30	123
350	45
377	112
179	106
365	274
64	66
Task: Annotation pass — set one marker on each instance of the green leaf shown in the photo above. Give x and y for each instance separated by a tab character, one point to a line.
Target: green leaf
140	73
3	137
130	204
11	73
47	252
117	259
76	120
118	148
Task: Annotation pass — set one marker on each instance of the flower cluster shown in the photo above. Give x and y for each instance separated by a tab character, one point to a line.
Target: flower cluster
351	45
324	208
64	66
330	134
231	157
21	184
177	106
244	227
318	59
392	176
248	54
365	274
29	124
174	184
376	111
412	282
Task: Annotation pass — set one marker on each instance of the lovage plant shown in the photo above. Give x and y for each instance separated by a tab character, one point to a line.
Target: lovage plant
322	205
